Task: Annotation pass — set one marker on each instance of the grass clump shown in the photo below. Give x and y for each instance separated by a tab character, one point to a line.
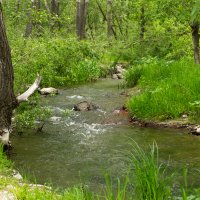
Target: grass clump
149	178
169	90
5	164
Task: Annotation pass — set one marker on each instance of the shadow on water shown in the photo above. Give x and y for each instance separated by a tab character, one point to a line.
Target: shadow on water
79	147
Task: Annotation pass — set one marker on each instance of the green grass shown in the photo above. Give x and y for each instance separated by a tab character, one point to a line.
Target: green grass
149	178
5	164
168	90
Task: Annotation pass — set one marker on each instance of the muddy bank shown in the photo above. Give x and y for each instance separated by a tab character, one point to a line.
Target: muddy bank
172	124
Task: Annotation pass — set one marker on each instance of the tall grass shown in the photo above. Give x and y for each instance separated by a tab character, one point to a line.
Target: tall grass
169	90
5	164
149	178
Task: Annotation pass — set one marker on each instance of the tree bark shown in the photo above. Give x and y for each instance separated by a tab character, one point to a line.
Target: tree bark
84	18
142	24
195	39
109	17
8	101
81	16
78	17
55	13
7	98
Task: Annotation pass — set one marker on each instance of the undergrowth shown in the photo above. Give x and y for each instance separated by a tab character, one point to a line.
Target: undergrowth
61	62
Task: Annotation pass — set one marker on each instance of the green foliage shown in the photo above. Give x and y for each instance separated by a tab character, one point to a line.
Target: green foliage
133	75
5	164
28	114
169	89
61	62
195	16
121	192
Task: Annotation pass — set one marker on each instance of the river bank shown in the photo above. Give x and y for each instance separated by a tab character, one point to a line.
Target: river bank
168	94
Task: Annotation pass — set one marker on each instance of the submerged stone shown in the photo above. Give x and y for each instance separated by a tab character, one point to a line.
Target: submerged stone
85	106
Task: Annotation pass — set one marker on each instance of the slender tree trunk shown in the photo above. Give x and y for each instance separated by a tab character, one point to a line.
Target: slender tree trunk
35	5
109	18
81	16
29	25
48	14
7	98
105	18
84	9
195	39
78	17
55	13
142	24
101	10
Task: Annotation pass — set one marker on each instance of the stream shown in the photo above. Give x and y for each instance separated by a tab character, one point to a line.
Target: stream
80	147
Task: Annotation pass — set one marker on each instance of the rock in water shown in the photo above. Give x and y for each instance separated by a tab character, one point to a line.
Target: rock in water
119	76
114	76
119	69
195	130
47	91
85	106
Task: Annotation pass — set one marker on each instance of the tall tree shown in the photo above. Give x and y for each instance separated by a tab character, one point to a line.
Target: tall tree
195	22
7	98
81	16
109	18
8	101
55	12
78	17
142	23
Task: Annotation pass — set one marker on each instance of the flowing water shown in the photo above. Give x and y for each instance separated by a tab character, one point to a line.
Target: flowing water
81	146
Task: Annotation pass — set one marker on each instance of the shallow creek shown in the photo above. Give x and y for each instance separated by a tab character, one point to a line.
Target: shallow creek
81	146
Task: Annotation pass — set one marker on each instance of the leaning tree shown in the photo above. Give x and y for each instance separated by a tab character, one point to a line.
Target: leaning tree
8	100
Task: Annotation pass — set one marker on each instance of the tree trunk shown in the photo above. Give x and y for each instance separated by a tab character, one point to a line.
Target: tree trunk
109	18
55	13
84	9
8	101
195	39
78	17
81	16
35	5
105	18
142	24
7	98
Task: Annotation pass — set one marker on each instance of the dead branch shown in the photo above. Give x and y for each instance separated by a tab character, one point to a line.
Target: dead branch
24	97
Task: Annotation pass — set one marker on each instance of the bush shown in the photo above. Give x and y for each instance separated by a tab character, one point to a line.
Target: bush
61	62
